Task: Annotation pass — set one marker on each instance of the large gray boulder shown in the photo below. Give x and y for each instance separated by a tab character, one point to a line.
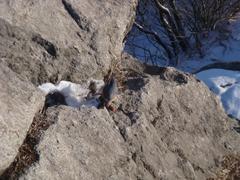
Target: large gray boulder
169	126
82	144
63	39
19	101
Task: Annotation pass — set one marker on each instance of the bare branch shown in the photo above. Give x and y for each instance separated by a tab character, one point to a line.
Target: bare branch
156	37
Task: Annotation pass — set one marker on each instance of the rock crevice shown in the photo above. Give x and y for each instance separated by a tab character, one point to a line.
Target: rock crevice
80	20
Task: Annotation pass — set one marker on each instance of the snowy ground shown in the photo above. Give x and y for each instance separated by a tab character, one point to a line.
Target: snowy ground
75	94
217	47
226	85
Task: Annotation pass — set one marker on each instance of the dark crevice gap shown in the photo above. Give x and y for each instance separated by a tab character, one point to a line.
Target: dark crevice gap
27	153
149	168
81	21
48	46
122	131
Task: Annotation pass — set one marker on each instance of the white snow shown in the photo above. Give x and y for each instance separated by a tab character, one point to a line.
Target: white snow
227	51
216	48
226	85
75	94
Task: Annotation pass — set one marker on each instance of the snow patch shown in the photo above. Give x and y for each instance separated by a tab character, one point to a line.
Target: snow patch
231	101
226	85
223	47
75	94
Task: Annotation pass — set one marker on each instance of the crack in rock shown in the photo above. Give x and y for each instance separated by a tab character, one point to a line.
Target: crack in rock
27	153
81	21
48	46
149	168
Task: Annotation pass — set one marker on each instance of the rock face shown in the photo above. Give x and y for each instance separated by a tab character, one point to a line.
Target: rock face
168	124
164	129
63	39
19	101
82	144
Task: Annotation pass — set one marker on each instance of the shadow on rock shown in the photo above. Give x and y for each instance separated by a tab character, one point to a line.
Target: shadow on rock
135	84
237	129
168	74
54	98
233	66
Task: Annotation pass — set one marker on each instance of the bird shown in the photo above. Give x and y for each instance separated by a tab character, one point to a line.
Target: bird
109	92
